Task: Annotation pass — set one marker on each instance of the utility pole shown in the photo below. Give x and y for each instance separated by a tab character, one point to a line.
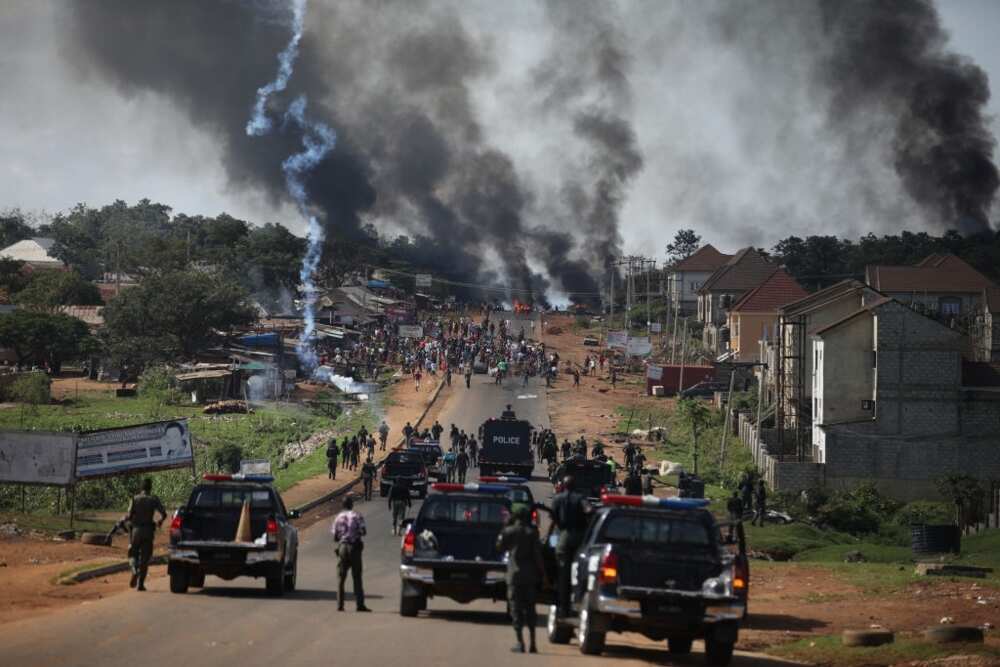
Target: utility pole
684	343
728	413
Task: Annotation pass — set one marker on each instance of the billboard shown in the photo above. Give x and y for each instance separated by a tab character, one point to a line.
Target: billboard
655	327
618	339
116	451
639	346
411	331
423	280
37	457
654	372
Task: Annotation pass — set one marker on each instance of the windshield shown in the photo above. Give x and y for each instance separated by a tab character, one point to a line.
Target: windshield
438	509
209	497
653	530
405	458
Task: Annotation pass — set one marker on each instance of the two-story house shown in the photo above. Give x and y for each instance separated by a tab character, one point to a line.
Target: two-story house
942	286
685	277
754	316
744	271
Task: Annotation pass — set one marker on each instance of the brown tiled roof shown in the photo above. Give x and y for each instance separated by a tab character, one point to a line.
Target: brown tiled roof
823	296
935	273
980	374
991	297
777	289
705	258
745	270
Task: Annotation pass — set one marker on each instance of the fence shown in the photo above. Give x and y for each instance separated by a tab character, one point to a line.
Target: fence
782	472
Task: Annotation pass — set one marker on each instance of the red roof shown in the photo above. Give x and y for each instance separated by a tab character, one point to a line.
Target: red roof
705	258
934	273
744	270
777	290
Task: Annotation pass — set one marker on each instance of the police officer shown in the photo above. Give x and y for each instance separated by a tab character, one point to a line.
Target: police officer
383	434
332	453
368	477
525	568
569	512
735	508
597	449
633	484
567	449
140	515
462	464
399	501
760	502
407	433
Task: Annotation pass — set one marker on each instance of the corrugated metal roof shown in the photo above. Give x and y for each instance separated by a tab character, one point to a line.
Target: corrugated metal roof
33	251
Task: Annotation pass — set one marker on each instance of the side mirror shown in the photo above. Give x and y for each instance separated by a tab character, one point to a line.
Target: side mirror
294	514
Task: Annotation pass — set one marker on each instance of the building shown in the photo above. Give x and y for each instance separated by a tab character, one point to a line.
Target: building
894	402
941	286
740	274
685	278
754	316
986	329
35	253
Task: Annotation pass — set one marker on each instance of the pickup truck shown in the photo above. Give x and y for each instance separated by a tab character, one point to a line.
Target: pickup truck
449	549
654	566
203	532
593	478
404	465
433	457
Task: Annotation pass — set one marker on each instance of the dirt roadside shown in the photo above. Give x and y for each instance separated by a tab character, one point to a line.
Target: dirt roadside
31	561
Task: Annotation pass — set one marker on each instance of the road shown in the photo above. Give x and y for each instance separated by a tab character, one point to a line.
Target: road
236	623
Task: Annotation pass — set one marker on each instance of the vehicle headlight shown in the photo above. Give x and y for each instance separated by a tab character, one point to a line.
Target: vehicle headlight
720	586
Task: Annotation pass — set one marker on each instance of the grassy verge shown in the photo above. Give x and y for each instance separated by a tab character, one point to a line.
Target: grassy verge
54	523
829	650
63	578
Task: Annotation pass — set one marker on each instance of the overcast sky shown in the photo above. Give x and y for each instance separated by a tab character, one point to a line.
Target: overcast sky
66	139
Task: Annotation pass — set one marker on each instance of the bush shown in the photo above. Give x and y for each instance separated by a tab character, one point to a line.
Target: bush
160	384
31	388
925	511
226	457
858	511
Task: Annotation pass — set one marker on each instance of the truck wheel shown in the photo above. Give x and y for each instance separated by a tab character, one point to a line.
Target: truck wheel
591	640
290	577
276	581
679	645
718	653
197	580
559	633
179	580
409	605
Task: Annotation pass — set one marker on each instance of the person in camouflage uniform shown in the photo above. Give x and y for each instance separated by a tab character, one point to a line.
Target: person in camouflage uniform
140	515
525	568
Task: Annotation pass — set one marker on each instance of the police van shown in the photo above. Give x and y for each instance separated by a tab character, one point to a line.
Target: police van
506	446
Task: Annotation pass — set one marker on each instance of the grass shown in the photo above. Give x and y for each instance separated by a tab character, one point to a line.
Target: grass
63	578
54	523
829	650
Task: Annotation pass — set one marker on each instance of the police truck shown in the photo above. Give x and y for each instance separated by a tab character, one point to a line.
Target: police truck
506	446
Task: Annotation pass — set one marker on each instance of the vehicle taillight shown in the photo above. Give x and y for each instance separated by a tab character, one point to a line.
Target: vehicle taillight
740	576
534	516
272	531
604	490
608	571
409	543
175	527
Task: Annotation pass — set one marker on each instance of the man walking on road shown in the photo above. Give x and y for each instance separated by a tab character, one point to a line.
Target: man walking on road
140	515
399	500
349	531
383	434
569	511
332	454
525	568
368	476
462	464
468	376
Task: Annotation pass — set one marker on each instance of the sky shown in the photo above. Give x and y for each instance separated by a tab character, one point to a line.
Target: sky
738	161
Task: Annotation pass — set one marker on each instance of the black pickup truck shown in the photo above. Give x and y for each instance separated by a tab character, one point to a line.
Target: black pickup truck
433	457
203	532
654	566
450	548
406	466
593	477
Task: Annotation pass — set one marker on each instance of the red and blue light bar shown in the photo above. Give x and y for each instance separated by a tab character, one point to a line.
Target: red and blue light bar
654	502
238	477
446	487
503	479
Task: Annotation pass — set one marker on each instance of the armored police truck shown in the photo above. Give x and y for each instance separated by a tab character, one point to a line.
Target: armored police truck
506	446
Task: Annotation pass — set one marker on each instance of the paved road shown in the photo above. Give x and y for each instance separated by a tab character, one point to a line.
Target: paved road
236	623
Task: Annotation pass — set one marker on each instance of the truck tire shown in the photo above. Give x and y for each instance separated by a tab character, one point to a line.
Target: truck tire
99	539
591	640
196	579
679	645
718	653
954	633
866	637
558	632
409	605
180	578
276	581
290	577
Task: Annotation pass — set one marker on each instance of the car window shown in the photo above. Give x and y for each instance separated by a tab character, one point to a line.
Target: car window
223	498
519	496
625	528
465	511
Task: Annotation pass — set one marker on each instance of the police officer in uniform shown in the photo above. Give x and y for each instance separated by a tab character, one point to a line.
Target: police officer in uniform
332	454
368	476
140	515
569	512
525	568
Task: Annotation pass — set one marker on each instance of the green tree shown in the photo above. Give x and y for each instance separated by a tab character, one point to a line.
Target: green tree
12	278
47	290
694	412
13	228
685	243
45	338
172	314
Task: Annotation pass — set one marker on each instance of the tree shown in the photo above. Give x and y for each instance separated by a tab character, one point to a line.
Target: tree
47	290
685	243
45	338
172	314
693	411
12	278
13	228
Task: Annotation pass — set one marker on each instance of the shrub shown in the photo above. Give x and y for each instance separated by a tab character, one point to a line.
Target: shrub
31	388
159	384
858	511
226	457
924	511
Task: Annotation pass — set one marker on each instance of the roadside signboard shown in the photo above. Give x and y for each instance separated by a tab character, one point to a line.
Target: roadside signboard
618	339
655	327
639	346
399	314
654	372
423	280
411	331
115	451
37	457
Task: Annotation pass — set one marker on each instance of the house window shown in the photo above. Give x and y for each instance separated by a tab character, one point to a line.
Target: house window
950	305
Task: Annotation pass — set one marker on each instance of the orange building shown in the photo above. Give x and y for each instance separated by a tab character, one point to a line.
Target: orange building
756	312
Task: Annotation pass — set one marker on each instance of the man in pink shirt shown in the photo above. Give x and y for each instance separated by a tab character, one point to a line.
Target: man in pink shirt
349	530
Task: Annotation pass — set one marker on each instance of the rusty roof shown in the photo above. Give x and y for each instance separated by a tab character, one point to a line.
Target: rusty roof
778	289
744	270
935	273
705	258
